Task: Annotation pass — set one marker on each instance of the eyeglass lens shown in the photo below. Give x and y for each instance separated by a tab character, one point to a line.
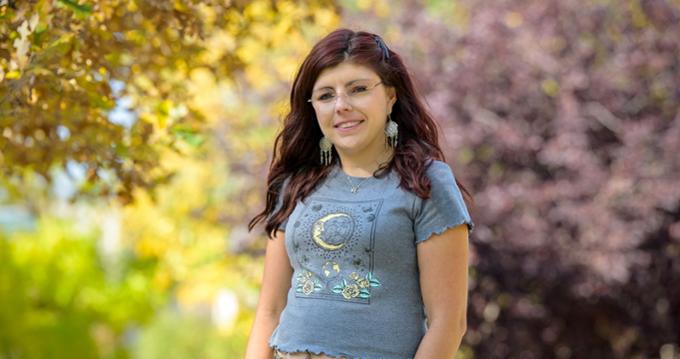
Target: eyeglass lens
353	93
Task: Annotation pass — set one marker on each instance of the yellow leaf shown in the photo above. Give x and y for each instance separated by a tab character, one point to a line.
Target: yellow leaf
257	9
34	96
326	18
179	6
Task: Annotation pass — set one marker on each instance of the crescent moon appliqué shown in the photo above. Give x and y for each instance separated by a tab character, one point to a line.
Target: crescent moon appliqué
332	231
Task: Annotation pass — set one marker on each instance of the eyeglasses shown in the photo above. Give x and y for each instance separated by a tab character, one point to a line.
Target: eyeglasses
356	93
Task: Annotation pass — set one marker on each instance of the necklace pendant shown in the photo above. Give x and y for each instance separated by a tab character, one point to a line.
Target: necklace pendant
354	189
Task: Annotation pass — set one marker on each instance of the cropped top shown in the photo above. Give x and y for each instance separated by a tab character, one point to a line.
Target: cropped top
355	288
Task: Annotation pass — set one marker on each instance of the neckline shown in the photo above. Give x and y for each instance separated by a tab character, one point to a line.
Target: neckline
339	171
338	179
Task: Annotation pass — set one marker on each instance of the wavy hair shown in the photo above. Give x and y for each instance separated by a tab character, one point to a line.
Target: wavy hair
296	153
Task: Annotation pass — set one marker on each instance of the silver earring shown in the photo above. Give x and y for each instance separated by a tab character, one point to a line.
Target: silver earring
325	146
391	132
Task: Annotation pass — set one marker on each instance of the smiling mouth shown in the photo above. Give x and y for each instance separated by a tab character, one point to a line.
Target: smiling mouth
347	125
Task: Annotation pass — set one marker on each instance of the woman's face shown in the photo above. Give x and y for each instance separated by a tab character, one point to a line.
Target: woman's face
351	106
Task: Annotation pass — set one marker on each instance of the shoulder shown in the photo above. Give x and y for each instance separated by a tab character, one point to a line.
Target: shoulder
440	173
437	166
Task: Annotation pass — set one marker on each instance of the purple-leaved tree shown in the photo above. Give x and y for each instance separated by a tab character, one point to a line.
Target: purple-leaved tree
563	118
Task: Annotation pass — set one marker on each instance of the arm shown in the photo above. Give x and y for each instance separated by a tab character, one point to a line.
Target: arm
273	297
443	264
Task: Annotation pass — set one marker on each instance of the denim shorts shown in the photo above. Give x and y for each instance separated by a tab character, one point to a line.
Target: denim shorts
301	355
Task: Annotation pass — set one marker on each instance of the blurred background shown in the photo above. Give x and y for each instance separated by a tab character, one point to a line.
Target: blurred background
135	138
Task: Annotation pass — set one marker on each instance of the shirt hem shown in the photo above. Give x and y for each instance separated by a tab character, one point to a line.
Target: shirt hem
313	350
442	229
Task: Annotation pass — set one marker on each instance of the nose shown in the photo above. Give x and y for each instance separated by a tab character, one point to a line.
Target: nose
342	102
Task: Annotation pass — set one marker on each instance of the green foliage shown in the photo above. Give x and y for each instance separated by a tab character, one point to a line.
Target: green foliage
58	294
191	337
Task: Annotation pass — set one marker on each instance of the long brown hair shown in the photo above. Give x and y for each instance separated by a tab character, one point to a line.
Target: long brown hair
296	151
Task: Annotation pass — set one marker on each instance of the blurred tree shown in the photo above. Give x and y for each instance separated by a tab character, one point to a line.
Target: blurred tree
564	116
59	295
134	92
103	85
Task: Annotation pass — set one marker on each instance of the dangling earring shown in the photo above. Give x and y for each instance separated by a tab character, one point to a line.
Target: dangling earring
325	146
391	132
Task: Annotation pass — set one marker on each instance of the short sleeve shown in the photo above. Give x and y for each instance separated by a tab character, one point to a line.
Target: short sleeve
444	209
279	203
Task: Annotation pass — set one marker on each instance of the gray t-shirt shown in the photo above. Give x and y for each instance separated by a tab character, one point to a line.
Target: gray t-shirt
355	288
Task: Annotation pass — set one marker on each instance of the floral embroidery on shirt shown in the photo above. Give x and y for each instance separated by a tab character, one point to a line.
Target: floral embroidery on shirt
359	287
306	283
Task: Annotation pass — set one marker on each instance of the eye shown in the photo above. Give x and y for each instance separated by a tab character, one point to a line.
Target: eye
325	97
361	88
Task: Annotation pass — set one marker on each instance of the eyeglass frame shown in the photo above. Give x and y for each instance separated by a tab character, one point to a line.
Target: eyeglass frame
336	100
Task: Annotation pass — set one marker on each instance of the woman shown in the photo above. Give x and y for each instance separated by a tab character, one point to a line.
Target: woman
368	248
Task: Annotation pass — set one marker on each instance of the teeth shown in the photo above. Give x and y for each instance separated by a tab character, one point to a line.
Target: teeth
348	124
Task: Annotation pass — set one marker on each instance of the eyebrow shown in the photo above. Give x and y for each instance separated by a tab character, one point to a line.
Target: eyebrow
346	84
